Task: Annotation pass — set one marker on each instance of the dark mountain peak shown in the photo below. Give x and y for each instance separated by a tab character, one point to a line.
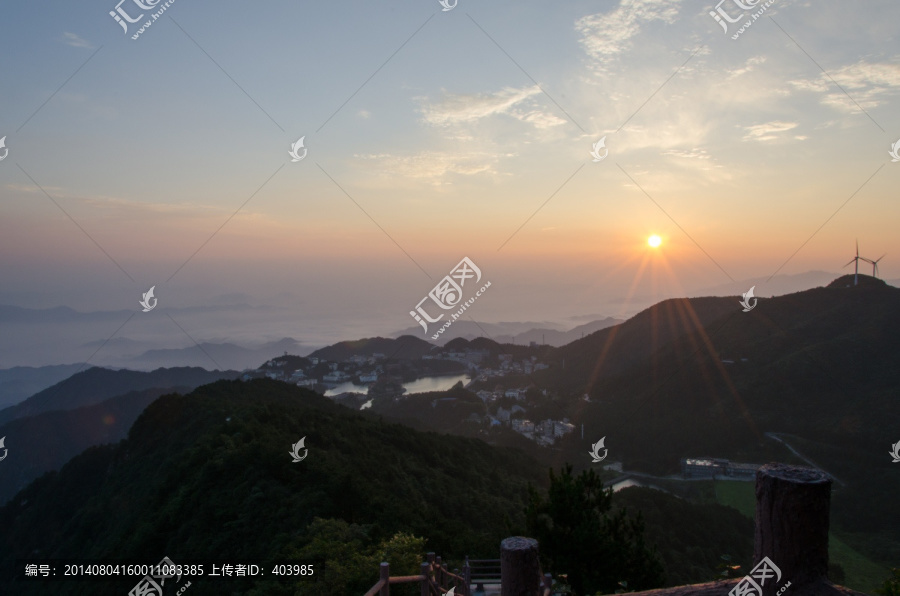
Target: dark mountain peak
864	281
483	343
404	347
96	384
457	344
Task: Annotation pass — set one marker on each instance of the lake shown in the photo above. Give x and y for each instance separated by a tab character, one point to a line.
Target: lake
423	385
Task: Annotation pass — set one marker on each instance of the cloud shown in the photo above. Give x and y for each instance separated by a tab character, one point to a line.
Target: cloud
604	36
471	138
768	131
692	154
454	109
75	41
749	66
433	167
868	84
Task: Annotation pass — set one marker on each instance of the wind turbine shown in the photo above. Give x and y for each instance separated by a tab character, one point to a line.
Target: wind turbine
856	260
874	264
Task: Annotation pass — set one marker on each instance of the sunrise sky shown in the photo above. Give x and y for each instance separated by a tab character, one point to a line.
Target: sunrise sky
434	135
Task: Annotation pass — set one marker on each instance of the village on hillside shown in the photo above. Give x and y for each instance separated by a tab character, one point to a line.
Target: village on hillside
499	380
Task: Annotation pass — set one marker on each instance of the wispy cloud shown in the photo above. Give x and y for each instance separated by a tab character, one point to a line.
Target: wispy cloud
434	167
455	109
75	41
457	124
869	84
605	36
749	66
768	131
688	154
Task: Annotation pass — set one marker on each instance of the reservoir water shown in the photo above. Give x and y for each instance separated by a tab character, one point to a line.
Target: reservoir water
423	385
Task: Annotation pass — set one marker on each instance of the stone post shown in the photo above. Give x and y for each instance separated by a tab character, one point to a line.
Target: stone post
792	509
520	570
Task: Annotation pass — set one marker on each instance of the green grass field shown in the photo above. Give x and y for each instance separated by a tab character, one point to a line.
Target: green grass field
861	573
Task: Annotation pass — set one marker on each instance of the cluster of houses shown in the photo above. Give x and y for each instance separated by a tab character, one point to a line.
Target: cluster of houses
316	373
366	370
544	433
322	373
473	360
508	366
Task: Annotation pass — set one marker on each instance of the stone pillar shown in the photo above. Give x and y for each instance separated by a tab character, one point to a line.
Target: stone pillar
792	509
520	569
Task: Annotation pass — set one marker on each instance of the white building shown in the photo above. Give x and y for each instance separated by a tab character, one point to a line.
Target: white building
523	426
518	394
562	428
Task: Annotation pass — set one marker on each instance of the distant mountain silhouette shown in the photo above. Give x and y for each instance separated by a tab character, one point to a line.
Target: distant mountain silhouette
46	441
98	384
403	347
213	355
60	314
19	382
552	337
509	332
776	286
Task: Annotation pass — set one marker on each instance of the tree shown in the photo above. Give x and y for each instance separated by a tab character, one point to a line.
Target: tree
891	586
580	537
347	559
343	558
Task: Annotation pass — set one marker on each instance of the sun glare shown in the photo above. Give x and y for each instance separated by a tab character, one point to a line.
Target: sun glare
654	240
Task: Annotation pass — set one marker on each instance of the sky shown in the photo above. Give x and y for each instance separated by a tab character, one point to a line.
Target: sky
432	135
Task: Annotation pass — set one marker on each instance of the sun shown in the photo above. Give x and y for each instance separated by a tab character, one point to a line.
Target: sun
654	240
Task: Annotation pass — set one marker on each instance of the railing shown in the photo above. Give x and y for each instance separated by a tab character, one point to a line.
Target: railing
481	571
435	579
